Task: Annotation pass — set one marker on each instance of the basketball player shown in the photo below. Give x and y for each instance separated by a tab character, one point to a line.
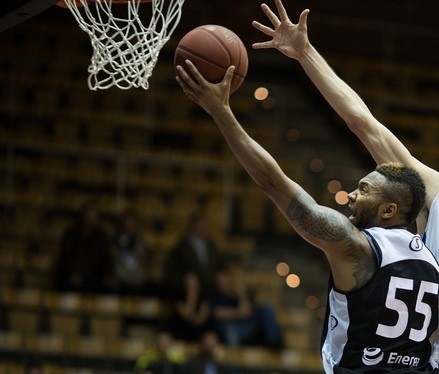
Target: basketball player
292	40
383	298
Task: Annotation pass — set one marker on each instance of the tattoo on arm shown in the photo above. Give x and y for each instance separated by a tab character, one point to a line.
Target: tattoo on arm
321	223
317	221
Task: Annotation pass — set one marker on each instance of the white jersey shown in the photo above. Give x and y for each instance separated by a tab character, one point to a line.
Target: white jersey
431	235
386	325
431	240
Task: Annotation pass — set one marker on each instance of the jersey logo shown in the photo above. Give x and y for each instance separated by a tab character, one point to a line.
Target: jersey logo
372	356
333	323
416	244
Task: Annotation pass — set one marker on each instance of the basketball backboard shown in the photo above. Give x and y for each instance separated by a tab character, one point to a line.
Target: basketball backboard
13	12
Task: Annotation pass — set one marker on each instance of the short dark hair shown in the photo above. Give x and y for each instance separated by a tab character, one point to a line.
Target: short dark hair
405	187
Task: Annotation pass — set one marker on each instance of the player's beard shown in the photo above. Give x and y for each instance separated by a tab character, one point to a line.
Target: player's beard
367	218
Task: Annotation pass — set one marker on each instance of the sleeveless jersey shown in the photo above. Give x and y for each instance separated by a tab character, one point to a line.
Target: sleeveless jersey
431	240
386	325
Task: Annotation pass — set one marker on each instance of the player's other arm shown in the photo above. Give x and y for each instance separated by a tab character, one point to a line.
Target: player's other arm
292	40
380	142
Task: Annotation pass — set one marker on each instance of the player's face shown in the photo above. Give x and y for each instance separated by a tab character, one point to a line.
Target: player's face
366	200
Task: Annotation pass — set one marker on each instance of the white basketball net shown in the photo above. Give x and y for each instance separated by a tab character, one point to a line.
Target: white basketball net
125	51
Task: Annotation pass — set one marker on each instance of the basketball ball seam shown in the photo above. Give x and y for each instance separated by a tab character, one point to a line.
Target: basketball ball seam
198	55
227	50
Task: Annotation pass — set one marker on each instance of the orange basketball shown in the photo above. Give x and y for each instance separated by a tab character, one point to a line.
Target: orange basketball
212	49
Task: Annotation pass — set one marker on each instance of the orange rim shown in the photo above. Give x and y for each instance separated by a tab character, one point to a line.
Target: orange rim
62	3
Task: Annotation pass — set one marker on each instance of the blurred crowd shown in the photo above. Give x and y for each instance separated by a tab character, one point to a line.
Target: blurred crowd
209	302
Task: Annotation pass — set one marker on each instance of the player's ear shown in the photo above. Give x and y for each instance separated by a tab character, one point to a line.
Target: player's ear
388	210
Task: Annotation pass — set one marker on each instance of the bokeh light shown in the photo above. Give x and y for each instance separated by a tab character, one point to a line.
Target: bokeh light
312	302
261	93
334	186
321	313
316	165
293	280
282	269
341	197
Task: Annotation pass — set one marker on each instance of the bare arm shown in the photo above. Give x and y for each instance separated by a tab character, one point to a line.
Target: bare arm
292	40
347	250
380	142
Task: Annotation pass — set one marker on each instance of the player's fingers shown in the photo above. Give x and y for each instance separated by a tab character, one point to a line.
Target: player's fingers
262	45
265	29
188	84
196	74
182	84
281	10
271	16
183	75
229	74
303	18
186	89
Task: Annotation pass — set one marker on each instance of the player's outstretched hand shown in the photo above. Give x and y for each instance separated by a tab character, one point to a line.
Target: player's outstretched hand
287	37
210	96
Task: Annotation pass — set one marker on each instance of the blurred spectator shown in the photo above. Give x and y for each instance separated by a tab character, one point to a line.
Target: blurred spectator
206	360
237	319
195	253
33	365
163	358
84	260
191	311
131	255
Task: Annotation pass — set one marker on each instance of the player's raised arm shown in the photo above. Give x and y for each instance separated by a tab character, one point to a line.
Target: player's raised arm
347	250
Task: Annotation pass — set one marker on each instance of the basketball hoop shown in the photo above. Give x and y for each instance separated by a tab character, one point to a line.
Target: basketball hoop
125	51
